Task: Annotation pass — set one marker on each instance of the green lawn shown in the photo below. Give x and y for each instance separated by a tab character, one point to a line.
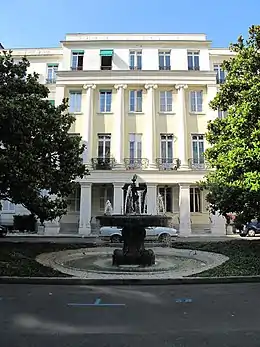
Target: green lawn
18	259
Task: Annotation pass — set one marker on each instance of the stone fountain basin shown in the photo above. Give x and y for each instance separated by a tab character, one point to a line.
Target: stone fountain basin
139	220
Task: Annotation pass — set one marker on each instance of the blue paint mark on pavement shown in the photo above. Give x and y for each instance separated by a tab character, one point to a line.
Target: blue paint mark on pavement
96	303
183	300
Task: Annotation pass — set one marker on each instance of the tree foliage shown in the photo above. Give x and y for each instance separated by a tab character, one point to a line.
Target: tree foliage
37	153
234	185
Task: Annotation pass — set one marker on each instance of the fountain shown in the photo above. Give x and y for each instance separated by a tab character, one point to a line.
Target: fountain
133	223
108	208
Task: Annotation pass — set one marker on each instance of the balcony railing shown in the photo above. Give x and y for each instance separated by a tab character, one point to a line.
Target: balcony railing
196	164
51	80
135	67
103	163
193	68
77	68
136	163
168	163
220	80
166	67
103	67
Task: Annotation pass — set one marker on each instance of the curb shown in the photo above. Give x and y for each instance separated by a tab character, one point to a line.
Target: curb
121	282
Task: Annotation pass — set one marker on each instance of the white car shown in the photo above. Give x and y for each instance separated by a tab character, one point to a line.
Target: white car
161	234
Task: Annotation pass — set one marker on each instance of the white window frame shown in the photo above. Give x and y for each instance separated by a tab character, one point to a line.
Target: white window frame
199	140
164	197
135	138
195	194
193	54
135	91
135	53
217	67
53	69
104	196
169	139
196	98
104	138
78	108
222	114
74	201
166	95
10	207
75	54
107	106
164	54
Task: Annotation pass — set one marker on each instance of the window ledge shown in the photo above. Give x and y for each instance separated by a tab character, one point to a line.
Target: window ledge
76	113
135	112
7	212
101	113
197	113
165	113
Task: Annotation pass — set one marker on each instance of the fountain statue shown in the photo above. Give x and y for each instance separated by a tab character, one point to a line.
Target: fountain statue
133	222
160	205
108	208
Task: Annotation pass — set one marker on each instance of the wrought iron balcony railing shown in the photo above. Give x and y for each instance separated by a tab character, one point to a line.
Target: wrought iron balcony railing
136	163
103	163
165	67
193	68
105	67
198	164
220	80
51	80
77	68
168	163
135	67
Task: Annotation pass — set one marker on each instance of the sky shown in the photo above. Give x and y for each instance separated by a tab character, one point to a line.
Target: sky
44	23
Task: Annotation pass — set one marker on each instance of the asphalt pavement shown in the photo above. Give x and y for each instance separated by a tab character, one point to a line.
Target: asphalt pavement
138	316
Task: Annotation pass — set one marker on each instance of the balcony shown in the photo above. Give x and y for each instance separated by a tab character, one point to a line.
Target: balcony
135	67
193	68
168	164
105	67
167	67
220	80
77	68
136	163
196	164
103	163
50	80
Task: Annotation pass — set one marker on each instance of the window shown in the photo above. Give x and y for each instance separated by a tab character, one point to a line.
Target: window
135	60
193	60
7	206
106	59
75	101
165	60
166	193
52	102
221	74
74	201
51	73
77	60
195	200
105	98
135	146
105	193
196	101
165	101
222	114
135	100
166	148
198	150
104	145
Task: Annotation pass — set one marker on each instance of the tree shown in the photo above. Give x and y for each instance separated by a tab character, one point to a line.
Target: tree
234	185
37	153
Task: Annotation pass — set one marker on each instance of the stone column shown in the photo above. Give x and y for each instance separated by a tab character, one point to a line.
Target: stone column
87	108
85	208
184	207
182	131
151	198
218	225
118	207
150	136
119	124
59	94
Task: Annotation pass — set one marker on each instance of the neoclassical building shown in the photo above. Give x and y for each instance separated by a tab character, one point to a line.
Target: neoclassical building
141	107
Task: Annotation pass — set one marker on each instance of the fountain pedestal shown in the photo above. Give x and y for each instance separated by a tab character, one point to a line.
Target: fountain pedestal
133	252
